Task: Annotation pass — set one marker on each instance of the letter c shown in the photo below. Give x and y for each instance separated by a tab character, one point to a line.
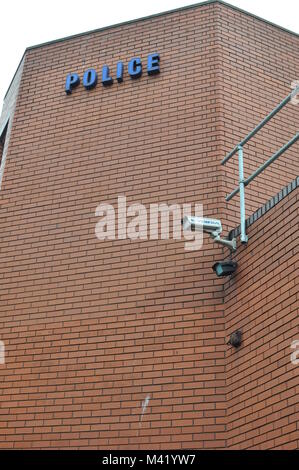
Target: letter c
135	68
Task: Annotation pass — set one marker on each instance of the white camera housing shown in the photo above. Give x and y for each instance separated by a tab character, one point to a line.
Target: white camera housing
211	226
201	224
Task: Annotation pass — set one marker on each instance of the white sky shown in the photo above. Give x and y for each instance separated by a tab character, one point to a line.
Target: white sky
25	23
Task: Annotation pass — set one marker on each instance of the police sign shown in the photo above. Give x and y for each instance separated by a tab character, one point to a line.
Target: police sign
90	76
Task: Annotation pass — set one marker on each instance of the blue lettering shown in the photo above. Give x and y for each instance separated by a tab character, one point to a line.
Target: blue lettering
106	79
72	80
135	68
90	79
119	72
153	64
90	76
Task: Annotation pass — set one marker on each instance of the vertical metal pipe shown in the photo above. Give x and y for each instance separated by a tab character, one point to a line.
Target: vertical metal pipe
244	238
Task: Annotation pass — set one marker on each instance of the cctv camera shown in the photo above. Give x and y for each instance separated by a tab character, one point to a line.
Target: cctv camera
201	224
211	226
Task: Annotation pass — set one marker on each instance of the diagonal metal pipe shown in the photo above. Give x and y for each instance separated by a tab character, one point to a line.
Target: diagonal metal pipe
261	124
264	166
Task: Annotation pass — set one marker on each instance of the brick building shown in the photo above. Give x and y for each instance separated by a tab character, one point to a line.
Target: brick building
122	344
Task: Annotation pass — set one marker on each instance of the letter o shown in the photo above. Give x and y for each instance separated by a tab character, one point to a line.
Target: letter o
90	79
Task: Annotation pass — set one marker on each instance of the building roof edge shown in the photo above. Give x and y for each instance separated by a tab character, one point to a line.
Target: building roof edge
145	18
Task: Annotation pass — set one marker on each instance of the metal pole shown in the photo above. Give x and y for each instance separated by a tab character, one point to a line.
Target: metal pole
261	125
244	238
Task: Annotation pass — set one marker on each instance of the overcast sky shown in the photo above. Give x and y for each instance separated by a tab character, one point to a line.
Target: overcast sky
28	22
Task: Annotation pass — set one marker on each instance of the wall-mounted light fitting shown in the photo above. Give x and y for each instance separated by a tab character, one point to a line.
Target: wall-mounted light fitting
235	339
225	268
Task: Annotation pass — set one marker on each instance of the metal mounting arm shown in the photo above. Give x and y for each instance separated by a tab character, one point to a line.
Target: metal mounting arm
231	244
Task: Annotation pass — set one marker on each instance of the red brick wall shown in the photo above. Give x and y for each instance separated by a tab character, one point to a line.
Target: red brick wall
262	301
93	328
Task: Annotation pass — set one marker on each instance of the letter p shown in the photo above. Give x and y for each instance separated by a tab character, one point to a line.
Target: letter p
72	80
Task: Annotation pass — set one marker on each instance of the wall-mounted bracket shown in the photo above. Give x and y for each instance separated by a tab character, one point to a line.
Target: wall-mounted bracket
231	244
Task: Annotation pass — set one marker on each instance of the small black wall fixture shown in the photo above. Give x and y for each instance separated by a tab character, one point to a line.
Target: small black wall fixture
235	339
225	268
